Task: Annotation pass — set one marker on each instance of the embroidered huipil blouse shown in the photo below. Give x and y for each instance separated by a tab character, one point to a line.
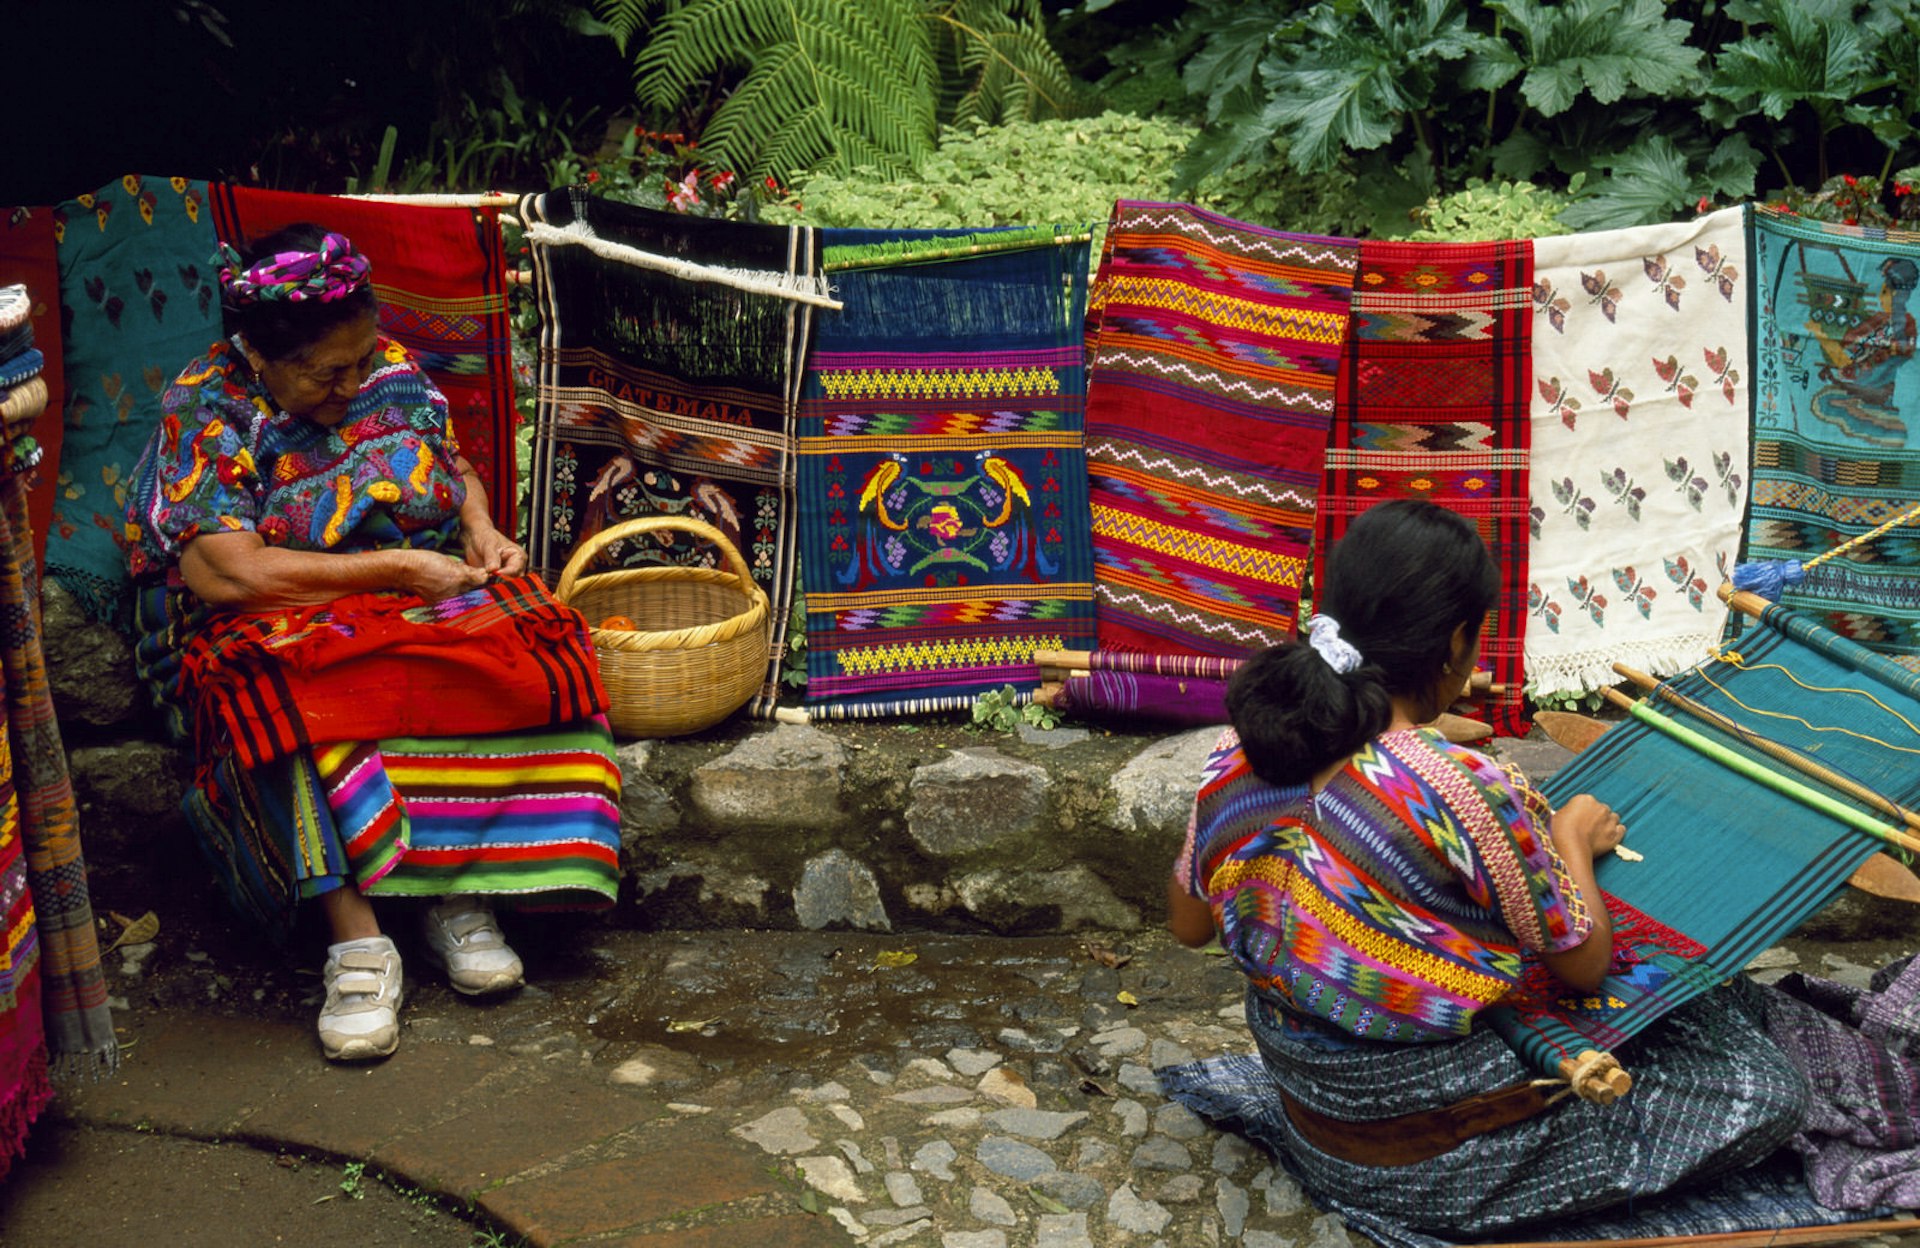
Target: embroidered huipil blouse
225	459
1394	903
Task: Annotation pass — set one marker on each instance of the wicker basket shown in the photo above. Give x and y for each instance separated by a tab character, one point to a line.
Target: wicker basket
700	646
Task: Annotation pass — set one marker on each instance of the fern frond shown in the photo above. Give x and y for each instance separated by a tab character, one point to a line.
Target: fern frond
624	18
1001	62
827	83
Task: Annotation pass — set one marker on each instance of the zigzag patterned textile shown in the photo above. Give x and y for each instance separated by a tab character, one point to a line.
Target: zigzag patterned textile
1836	442
1432	403
440	277
1213	348
669	391
1771	860
1639	454
941	476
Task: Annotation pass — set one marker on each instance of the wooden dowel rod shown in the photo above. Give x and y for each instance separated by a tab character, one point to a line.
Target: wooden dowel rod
1063	658
1822	802
1772	1237
1773	749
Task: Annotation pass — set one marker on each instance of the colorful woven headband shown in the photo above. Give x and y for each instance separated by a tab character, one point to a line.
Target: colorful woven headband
1323	634
333	272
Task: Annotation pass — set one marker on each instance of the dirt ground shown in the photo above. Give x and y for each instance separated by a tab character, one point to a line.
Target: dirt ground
83	1188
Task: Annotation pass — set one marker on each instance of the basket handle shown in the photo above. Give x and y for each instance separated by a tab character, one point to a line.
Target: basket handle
649	524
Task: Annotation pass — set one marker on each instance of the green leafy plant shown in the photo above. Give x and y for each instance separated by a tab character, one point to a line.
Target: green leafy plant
353	1180
793	668
1002	710
783	86
1487	211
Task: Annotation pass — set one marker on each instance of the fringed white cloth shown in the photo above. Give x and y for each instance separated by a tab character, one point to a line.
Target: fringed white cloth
1640	446
797	287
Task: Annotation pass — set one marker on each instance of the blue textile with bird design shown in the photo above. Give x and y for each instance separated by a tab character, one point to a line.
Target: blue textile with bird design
942	480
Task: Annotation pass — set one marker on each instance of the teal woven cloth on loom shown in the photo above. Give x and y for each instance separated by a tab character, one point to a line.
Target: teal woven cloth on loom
1836	401
1730	866
942	481
140	301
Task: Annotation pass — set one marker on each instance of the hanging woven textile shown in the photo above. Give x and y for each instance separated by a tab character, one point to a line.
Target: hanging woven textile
28	256
942	477
1432	403
139	300
1835	451
1639	451
1213	348
670	354
440	277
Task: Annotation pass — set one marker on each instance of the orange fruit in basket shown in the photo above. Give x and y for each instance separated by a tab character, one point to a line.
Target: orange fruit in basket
619	624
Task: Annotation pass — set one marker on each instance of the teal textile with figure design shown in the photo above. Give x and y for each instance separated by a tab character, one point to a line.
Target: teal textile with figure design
1836	422
945	532
139	299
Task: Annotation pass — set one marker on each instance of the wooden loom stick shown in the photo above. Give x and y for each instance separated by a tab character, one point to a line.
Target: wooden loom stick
1786	785
1773	749
1775	1237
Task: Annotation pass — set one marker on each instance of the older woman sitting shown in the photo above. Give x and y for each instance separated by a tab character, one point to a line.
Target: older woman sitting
381	702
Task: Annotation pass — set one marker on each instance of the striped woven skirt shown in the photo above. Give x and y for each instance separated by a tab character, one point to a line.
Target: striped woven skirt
529	818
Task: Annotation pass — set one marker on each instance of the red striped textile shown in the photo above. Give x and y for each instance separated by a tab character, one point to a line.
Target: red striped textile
440	276
1433	402
504	657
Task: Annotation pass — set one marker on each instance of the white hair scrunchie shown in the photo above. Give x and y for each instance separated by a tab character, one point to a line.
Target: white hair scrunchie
1323	634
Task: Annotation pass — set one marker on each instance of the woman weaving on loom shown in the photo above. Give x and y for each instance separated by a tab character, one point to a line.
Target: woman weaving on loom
1378	885
382	704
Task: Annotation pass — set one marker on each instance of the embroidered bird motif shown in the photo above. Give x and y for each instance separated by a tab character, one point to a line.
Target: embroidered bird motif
1012	484
874	490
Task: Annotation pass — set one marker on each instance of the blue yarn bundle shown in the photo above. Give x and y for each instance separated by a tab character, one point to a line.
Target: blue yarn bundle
1768	577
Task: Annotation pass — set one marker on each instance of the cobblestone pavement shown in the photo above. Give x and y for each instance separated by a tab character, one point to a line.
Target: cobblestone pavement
694	1088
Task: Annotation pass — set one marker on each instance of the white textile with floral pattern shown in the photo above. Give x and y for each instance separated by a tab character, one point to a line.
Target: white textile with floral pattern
1640	443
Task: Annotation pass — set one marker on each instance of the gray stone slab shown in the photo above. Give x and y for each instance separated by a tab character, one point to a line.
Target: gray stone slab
1036	1124
1013	1158
972	800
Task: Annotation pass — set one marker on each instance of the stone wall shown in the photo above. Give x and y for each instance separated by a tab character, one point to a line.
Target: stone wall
927	824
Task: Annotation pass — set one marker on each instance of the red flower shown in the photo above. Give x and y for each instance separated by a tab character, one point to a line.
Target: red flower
1901	188
1847	178
593	175
1703	205
773	185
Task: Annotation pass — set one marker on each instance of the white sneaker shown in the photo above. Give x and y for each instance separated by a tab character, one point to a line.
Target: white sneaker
360	1020
463	940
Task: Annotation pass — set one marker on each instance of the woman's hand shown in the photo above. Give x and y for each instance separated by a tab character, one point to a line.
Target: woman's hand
493	552
1588	822
433	576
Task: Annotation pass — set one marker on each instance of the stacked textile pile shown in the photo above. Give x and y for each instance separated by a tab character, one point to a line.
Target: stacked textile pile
942	480
29	257
52	994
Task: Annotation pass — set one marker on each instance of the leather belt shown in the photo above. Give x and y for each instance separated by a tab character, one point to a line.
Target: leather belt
1412	1138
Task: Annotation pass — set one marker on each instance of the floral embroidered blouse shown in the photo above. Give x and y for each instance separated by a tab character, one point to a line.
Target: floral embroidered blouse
1394	903
225	459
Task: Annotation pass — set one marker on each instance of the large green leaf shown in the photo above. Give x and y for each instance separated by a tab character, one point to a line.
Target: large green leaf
1359	71
1645	184
1801	54
1604	48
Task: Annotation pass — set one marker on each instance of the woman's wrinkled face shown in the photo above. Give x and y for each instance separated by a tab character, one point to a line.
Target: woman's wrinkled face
321	380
